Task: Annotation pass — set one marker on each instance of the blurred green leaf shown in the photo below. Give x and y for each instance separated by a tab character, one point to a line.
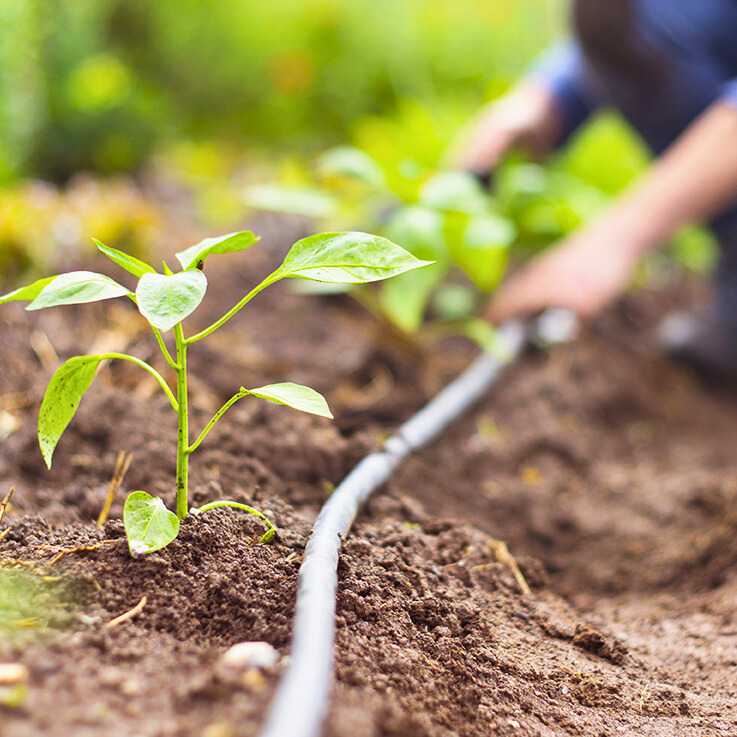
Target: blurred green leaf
348	161
479	244
312	203
404	299
419	230
454	191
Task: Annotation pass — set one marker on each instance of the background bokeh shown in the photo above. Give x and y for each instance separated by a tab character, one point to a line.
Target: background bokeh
199	91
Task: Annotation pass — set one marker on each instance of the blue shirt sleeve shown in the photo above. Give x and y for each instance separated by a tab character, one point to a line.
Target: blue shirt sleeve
729	93
561	69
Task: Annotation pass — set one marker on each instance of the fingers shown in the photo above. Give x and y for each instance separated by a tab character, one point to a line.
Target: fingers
485	150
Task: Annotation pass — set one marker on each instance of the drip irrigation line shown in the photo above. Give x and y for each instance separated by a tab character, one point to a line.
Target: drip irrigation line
299	706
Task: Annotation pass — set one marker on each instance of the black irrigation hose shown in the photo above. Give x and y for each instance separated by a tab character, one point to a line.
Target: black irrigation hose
300	704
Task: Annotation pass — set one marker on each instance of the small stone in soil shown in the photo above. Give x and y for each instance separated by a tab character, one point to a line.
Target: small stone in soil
247	655
12	673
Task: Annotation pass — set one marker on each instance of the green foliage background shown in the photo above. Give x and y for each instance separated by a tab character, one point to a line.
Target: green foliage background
105	85
99	83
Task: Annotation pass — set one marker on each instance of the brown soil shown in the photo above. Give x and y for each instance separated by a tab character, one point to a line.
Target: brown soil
610	475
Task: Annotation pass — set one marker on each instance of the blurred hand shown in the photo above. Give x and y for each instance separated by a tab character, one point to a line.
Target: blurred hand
527	117
583	273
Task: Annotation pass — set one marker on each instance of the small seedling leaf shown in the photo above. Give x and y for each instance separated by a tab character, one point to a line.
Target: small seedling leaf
295	396
130	263
311	203
149	525
166	300
27	293
77	287
63	394
348	161
346	258
230	243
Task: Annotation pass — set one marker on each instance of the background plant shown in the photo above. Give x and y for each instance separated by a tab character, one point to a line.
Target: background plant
165	300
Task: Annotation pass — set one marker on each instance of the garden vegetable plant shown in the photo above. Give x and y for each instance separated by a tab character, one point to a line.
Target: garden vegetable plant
446	217
165	299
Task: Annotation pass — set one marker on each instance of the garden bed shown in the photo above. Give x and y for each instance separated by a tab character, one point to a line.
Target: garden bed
610	475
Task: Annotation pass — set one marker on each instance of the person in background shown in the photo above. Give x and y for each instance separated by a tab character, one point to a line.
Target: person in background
670	66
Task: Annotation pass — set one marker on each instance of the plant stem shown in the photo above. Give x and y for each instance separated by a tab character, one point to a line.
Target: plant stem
182	424
215	418
164	349
159	378
237	505
218	323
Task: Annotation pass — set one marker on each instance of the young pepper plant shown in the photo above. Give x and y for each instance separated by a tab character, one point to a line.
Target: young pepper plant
165	300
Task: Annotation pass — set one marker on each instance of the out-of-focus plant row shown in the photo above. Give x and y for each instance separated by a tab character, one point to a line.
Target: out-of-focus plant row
96	84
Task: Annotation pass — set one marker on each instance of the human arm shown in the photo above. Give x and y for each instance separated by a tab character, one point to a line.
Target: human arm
537	115
694	180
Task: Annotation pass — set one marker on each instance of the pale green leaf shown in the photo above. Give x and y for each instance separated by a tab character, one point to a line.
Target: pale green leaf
166	300
230	243
77	287
404	299
130	263
311	203
454	191
149	525
488	338
349	258
419	230
479	244
295	396
63	394
348	161
27	293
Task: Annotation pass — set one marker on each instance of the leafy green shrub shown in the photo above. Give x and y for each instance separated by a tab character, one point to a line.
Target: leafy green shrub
165	300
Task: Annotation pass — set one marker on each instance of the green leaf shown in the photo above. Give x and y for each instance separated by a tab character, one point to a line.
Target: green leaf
292	395
149	525
166	300
419	230
130	263
63	394
350	258
311	203
77	287
348	161
454	191
487	338
27	293
405	298
479	244
230	243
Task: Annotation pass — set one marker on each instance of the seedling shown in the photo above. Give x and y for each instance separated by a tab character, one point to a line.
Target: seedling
165	300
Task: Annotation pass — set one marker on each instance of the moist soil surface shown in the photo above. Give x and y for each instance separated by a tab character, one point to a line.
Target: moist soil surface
610	475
